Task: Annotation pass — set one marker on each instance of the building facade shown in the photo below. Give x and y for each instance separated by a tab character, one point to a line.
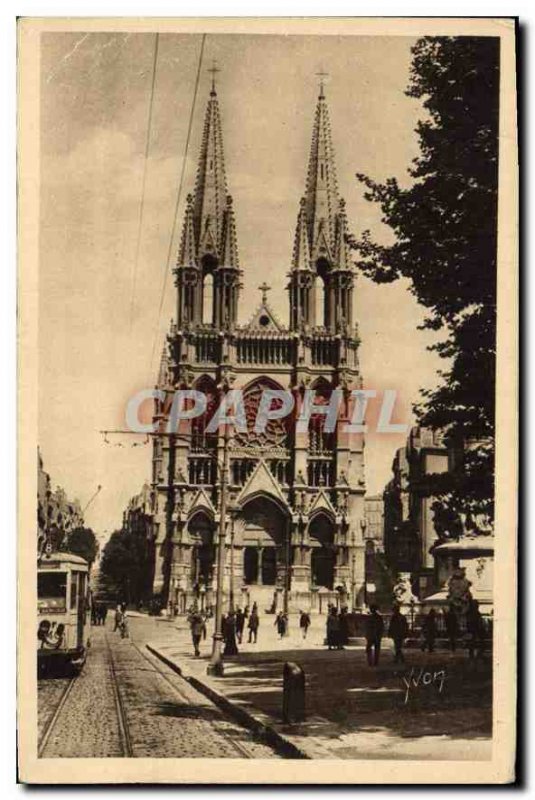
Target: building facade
295	501
57	515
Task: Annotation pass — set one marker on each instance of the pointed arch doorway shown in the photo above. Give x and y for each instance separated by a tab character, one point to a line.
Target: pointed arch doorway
264	539
323	556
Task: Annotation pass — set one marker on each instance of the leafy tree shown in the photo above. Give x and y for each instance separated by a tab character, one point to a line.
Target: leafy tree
124	565
445	237
82	542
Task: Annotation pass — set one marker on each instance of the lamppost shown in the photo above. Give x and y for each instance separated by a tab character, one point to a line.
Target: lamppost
363	526
215	666
231	581
286	574
353	568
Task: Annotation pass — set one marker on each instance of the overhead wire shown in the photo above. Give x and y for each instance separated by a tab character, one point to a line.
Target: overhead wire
177	204
144	180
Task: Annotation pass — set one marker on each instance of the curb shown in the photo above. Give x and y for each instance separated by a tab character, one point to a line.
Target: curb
254	722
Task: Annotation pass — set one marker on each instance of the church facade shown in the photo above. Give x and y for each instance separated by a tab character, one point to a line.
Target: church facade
295	513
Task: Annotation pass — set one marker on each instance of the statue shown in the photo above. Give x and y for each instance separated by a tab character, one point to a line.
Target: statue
402	591
459	594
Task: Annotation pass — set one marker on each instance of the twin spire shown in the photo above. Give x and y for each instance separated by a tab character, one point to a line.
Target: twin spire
209	242
209	230
321	222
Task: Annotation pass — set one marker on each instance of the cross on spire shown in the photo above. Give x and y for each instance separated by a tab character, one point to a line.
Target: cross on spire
264	288
213	70
321	75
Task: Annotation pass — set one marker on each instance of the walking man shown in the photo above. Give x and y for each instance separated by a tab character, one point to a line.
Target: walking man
253	624
374	632
452	627
118	618
429	631
398	631
280	623
343	636
240	623
198	629
304	623
333	629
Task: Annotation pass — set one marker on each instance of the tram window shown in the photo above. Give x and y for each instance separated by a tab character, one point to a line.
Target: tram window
52	589
74	589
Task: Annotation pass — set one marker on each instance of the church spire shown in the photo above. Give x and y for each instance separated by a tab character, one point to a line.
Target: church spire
321	194
211	185
209	243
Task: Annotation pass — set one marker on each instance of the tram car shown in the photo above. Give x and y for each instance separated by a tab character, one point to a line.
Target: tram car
63	608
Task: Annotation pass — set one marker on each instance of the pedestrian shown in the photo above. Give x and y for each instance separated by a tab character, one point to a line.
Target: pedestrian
475	628
429	631
304	623
94	614
197	628
343	636
452	627
398	630
240	623
253	624
374	633
123	625
281	623
229	635
333	629
103	613
117	618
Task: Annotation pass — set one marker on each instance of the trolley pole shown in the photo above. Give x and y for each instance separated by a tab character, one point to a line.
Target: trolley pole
215	666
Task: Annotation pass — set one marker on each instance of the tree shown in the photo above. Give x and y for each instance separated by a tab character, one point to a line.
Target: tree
124	565
445	229
82	542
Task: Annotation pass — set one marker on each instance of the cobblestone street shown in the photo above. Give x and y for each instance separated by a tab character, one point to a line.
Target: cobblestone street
126	703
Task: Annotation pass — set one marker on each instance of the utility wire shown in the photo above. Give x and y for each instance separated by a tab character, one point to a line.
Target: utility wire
145	163
177	204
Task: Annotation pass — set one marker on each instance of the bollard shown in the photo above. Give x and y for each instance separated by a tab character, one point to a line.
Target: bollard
293	693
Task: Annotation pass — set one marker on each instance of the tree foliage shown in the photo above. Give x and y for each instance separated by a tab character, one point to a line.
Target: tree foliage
445	238
124	566
81	542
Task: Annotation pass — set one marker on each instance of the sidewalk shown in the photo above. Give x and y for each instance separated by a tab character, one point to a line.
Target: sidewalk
353	711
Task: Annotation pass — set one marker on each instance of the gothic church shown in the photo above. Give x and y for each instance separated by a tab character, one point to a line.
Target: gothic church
295	501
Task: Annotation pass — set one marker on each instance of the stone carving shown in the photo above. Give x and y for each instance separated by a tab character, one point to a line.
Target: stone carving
402	591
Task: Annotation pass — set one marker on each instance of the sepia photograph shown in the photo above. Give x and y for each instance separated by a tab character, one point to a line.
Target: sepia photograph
267	400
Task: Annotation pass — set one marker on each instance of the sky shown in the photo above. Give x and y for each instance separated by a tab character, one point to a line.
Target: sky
100	326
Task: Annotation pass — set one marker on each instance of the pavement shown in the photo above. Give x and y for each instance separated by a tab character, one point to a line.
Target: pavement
436	706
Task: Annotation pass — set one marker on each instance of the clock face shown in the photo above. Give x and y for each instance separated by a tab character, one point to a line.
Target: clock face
275	432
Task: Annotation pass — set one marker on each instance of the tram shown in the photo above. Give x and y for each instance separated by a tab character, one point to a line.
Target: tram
63	608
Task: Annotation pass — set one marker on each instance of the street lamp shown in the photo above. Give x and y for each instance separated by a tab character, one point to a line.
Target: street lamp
363	526
286	575
231	582
215	666
353	569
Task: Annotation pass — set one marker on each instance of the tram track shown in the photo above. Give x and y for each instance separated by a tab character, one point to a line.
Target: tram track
126	740
49	727
243	752
126	704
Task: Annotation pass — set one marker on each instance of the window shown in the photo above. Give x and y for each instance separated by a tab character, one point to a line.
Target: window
74	589
52	591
